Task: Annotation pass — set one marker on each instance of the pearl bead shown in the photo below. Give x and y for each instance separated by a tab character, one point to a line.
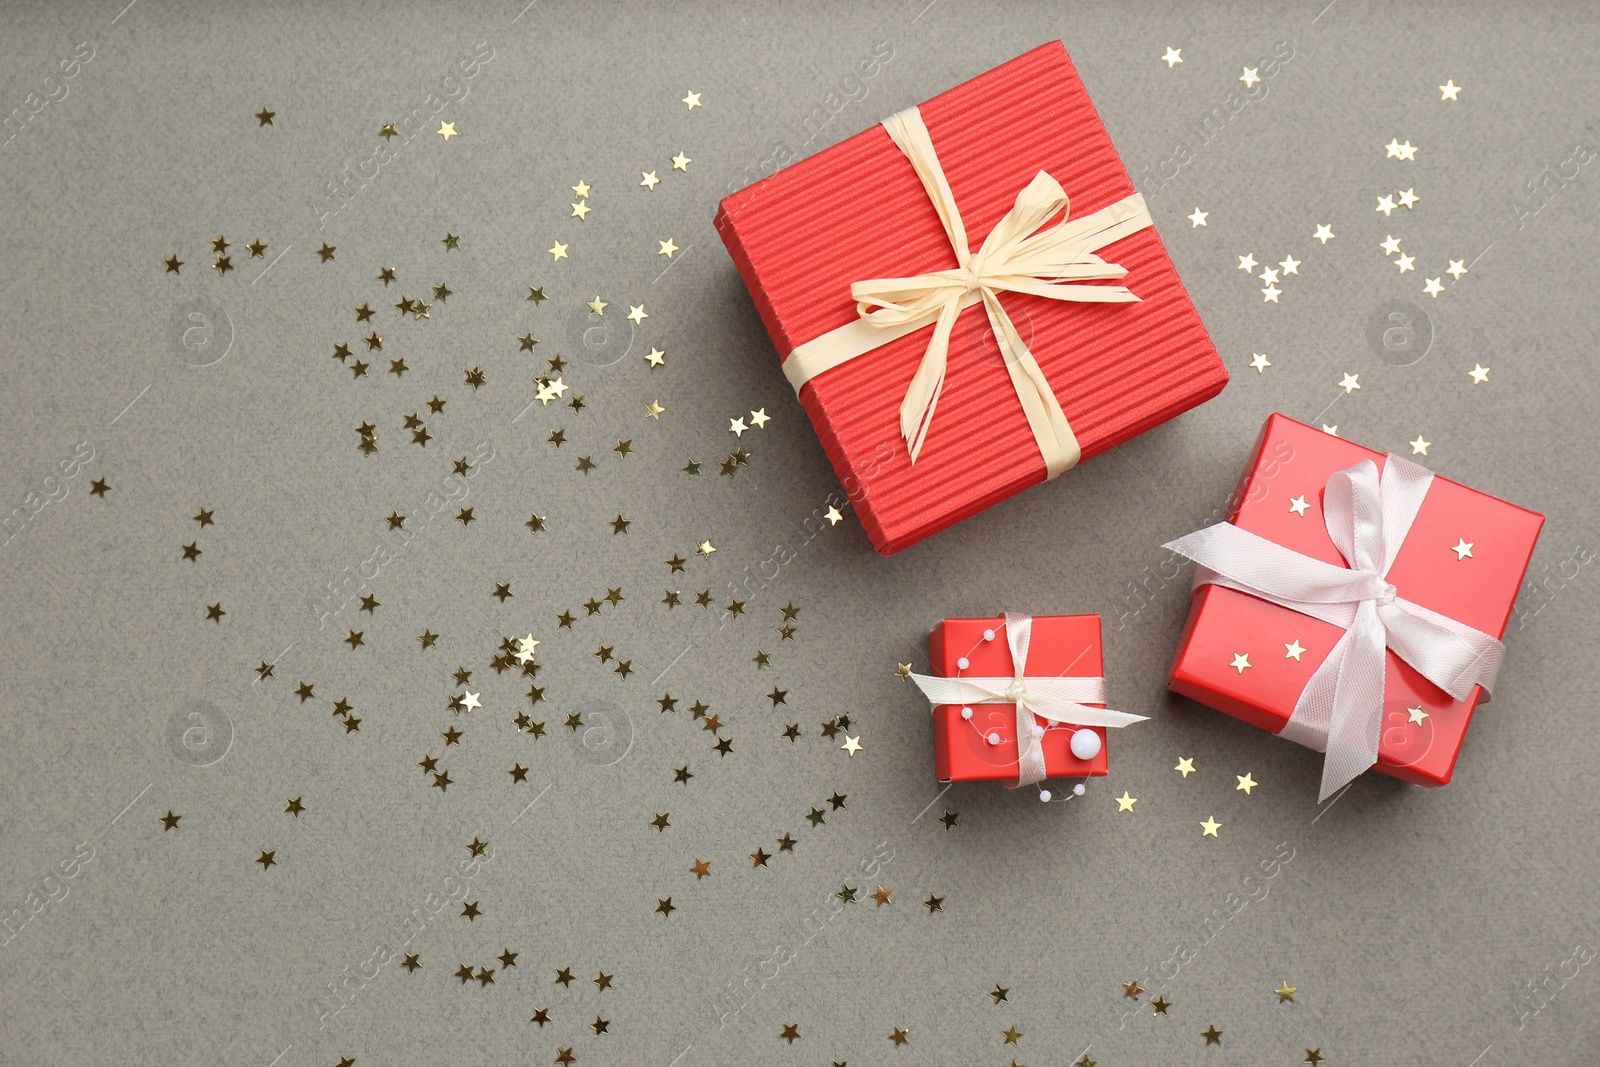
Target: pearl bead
1085	744
962	663
1077	790
1038	731
1044	795
966	713
988	635
994	739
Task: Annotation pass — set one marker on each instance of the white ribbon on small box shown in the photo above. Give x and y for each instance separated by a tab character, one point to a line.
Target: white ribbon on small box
1063	699
1340	711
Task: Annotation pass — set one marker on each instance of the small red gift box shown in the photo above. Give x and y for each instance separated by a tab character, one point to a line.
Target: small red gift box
1060	645
858	211
1463	557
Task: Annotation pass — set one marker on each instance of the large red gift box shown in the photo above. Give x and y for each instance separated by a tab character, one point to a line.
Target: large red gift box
1423	726
857	211
1060	645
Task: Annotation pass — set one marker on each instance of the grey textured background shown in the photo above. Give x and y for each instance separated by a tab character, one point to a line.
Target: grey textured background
1415	924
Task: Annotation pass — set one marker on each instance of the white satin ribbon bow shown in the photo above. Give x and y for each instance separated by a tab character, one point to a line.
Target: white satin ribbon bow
1340	711
1013	258
1061	699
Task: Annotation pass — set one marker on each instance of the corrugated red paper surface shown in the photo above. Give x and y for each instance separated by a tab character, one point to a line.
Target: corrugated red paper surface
1059	645
1293	460
857	211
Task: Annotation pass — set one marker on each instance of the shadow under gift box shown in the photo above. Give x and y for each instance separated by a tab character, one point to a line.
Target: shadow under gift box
1293	460
1059	645
857	211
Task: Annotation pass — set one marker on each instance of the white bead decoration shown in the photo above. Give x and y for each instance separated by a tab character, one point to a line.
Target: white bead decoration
1044	795
966	713
994	739
962	663
988	635
1077	790
1085	744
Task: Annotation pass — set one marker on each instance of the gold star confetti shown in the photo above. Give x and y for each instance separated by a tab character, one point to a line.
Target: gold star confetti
1293	650
1409	199
650	180
173	264
258	249
558	251
1405	263
668	247
1212	1035
1314	1057
1462	549
637	314
581	210
1324	233
705	548
446	130
1286	992
1160	1005
1457	269
1260	362
1479	374
681	161
1185	765
654	410
1012	1036
900	1036
852	745
1298	505
1246	783
1210	827
387	131
1448	91
1416	715
1198	219
450	240
169	821
1350	383
1173	57
264	118
1241	662
655	357
692	100
1131	990
1419	447
1250	77
1125	802
833	515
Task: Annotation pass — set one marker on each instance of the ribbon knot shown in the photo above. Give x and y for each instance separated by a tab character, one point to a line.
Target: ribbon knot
1061	699
1019	255
1340	711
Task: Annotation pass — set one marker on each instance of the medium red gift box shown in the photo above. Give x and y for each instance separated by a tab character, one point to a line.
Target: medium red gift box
1060	645
858	211
1280	498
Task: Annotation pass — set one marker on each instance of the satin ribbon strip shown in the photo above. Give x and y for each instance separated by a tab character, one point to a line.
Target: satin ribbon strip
1340	711
1017	256
1062	699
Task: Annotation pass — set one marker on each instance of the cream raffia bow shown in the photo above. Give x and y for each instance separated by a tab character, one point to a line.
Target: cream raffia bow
1340	711
1017	257
1062	699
